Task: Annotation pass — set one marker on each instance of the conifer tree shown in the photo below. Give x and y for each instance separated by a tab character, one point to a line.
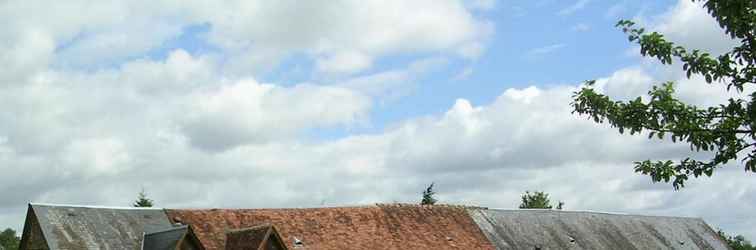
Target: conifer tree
142	200
428	198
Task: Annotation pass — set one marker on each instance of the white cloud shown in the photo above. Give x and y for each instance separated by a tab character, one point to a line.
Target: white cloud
395	83
688	24
344	62
252	34
626	83
24	55
200	131
122	139
249	112
338	30
108	31
104	157
116	44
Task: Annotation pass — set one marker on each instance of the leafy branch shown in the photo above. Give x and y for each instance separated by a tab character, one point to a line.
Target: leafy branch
726	129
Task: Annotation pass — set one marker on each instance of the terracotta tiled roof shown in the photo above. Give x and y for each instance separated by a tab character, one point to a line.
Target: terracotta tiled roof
367	227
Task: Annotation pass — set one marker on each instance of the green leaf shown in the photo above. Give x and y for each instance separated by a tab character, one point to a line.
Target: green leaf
726	128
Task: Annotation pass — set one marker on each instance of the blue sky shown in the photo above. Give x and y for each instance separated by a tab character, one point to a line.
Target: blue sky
533	43
342	102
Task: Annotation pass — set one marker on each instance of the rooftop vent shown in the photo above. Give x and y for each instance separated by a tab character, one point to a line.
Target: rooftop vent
298	242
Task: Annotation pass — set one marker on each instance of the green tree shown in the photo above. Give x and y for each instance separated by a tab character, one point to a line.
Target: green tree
737	242
142	200
9	240
537	200
428	194
726	129
560	206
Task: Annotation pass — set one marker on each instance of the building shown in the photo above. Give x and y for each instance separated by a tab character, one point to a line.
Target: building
393	226
381	226
555	229
91	227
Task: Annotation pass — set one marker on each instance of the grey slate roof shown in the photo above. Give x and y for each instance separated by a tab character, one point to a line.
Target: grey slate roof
553	229
82	227
166	239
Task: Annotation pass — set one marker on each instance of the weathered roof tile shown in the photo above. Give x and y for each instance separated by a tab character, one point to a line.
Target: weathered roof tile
366	227
84	227
553	229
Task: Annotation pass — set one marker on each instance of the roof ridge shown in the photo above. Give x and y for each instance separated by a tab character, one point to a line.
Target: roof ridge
93	206
591	212
461	206
274	208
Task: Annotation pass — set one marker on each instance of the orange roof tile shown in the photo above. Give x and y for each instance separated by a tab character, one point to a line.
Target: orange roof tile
367	227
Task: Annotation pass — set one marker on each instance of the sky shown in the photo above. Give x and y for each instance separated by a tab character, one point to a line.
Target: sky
332	103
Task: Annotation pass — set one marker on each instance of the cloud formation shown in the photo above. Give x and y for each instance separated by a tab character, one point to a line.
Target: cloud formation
677	23
89	117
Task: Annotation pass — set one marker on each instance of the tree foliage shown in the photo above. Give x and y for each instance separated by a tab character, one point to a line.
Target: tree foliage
537	200
142	200
9	240
726	130
560	205
428	194
736	242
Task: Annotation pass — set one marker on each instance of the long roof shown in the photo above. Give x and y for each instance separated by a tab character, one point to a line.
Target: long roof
365	227
382	226
90	227
554	229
